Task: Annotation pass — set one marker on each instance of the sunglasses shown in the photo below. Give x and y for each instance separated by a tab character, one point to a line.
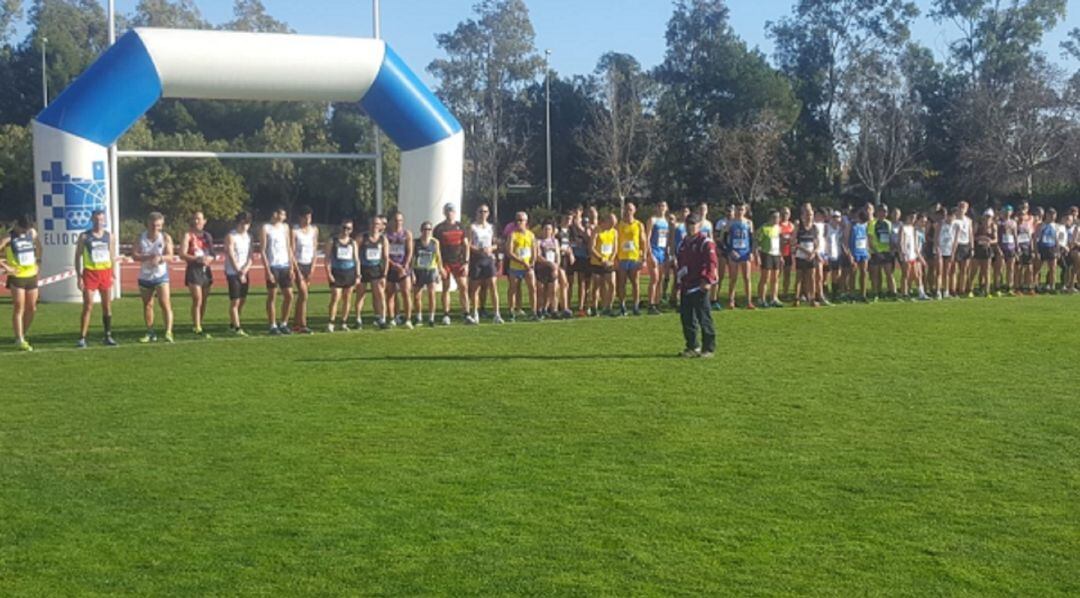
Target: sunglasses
425	229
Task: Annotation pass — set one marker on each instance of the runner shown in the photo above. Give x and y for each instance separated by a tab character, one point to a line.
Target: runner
632	242
986	238
95	255
398	277
521	253
237	267
964	236
658	231
342	271
305	238
197	249
426	268
153	252
602	263
858	248
1064	241
945	253
720	236
696	274
1048	249
806	254
911	256
740	254
1025	250
787	245
580	242
821	268
768	246
483	275
374	264
1005	256
20	253
566	265
547	271
678	233
881	258
1073	252
278	258
836	256
454	245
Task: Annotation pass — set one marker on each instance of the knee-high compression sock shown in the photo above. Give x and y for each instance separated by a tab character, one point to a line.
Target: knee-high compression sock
106	320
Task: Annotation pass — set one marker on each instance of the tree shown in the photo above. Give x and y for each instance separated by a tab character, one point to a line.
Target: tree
621	140
251	15
490	60
710	77
820	46
571	110
16	179
746	157
10	13
177	14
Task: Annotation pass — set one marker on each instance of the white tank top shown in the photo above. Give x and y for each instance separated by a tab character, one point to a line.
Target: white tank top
241	247
482	236
963	231
1062	235
277	245
946	234
823	246
834	236
304	244
910	243
156	247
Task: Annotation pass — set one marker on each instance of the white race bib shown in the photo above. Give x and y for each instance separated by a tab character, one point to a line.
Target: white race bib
661	242
774	246
99	254
629	246
424	261
345	254
1024	237
739	244
860	244
549	255
198	252
373	254
524	253
606	248
26	258
397	251
1007	239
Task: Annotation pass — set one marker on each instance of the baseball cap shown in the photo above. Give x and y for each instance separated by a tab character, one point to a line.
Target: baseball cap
837	214
449	208
989	212
1008	207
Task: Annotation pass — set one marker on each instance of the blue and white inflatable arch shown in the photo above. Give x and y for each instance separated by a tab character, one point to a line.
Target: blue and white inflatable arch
72	135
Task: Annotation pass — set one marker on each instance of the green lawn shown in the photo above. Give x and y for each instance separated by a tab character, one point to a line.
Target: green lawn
869	449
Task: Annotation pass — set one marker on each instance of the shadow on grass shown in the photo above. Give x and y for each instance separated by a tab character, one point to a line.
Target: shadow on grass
407	358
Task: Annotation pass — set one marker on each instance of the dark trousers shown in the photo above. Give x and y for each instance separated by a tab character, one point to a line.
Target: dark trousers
696	312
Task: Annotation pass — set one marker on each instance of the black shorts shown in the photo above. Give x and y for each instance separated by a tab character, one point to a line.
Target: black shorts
237	289
1007	252
770	262
545	273
803	265
601	269
983	252
371	273
425	277
846	261
1047	254
198	276
27	283
481	267
282	278
305	271
881	259
581	264
397	273
1025	256
343	279
788	260
963	253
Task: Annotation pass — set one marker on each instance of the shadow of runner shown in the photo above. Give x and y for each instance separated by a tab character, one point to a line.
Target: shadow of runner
485	357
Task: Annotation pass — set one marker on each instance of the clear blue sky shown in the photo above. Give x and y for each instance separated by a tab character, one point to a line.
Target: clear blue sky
577	31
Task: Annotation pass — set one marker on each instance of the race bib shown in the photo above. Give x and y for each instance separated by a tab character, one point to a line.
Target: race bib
884	237
373	254
661	242
774	246
629	246
606	248
424	261
198	252
1007	239
344	254
1024	237
99	253
397	251
524	253
549	255
860	244
26	258
739	244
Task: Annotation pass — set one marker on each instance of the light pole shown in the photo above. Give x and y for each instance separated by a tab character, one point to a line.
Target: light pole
378	136
547	110
44	74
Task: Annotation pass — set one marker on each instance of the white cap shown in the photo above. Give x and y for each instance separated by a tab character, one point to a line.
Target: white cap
989	212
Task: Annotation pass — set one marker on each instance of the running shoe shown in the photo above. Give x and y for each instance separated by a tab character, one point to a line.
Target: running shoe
567	314
110	341
408	325
431	323
330	328
690	353
497	319
636	311
446	320
81	344
776	303
273	331
344	327
469	321
149	337
24	345
707	355
285	330
169	336
653	310
306	330
750	305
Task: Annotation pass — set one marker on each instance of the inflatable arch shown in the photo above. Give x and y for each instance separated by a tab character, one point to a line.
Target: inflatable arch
72	135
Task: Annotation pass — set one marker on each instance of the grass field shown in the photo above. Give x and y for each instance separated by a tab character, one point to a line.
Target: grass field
884	449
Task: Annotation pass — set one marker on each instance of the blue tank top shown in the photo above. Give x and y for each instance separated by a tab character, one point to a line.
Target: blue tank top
344	257
659	229
738	238
680	234
1048	236
860	240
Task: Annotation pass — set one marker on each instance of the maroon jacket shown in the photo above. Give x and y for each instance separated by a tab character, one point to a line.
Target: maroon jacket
697	262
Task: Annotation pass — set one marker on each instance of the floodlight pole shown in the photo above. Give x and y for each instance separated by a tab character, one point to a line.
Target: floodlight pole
44	74
114	183
547	110
378	135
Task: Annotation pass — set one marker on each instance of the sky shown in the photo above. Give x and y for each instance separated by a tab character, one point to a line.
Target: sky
577	32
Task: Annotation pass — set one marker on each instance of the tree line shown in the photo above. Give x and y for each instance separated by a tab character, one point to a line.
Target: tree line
848	108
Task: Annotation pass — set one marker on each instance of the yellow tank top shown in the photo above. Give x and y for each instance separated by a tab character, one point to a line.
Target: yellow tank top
22	256
604	244
630	241
521	244
96	255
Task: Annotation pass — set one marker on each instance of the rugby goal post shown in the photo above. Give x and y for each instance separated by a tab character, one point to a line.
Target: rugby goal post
72	135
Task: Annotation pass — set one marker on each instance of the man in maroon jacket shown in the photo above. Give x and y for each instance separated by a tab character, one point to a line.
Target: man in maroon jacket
697	274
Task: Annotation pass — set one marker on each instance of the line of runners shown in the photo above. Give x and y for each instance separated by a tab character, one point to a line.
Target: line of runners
941	253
